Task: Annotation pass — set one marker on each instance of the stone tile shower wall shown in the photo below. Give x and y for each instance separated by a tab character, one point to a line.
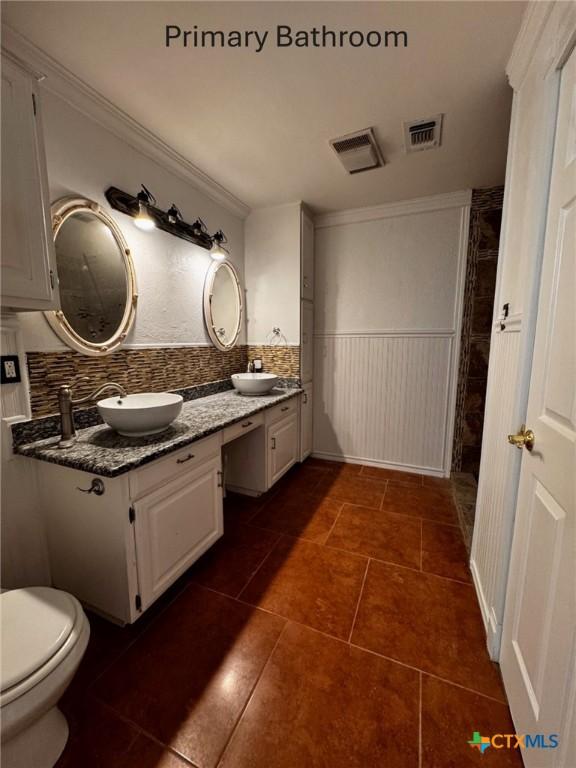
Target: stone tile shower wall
484	236
138	370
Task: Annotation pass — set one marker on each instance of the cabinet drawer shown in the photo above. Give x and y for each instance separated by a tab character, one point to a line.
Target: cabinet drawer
282	410
242	427
161	471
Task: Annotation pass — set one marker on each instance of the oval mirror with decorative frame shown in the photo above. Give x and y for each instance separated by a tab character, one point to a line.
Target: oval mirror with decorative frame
96	278
223	305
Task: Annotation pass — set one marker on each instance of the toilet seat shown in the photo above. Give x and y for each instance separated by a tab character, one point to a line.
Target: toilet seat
40	626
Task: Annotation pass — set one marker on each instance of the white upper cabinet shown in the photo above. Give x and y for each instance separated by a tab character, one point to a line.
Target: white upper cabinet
28	261
307	257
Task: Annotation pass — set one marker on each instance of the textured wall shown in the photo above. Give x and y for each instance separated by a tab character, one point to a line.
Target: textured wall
485	217
85	159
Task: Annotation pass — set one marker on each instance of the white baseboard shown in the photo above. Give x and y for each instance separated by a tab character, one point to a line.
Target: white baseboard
384	464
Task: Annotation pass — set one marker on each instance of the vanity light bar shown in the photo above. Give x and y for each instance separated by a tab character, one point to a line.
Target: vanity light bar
165	220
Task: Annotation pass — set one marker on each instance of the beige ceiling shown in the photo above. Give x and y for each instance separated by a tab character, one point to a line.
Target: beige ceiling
259	123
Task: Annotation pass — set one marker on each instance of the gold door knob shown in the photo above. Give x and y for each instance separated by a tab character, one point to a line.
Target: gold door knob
522	439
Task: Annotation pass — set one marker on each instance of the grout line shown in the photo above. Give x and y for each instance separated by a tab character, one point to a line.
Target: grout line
421	543
365	555
422	671
420	724
251	696
143	732
342	505
359	599
280	537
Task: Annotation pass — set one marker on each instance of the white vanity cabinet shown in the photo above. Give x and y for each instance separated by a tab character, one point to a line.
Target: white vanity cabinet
118	551
28	261
254	462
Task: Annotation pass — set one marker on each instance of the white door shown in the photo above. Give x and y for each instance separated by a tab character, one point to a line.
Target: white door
28	271
538	642
306	422
307	249
307	348
176	524
282	447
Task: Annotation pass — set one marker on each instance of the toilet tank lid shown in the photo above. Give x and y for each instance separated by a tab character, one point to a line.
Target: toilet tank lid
35	624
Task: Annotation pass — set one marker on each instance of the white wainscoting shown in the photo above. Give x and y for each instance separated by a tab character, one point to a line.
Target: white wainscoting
498	483
384	398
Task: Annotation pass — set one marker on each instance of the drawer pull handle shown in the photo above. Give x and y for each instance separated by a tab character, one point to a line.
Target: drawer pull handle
273	443
286	408
247	424
305	398
187	458
220	478
96	487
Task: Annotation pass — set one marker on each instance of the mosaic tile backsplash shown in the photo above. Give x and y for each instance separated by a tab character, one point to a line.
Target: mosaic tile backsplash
149	370
282	360
138	370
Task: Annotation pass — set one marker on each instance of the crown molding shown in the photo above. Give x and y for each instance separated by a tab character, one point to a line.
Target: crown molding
533	21
549	23
389	210
60	81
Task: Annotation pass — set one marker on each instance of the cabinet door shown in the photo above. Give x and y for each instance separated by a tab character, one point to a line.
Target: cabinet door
306	422
175	525
307	346
307	258
282	447
28	261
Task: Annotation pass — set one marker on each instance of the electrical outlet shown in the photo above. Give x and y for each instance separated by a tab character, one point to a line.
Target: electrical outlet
10	369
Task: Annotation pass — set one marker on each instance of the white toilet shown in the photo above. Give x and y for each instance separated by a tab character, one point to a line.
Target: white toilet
44	634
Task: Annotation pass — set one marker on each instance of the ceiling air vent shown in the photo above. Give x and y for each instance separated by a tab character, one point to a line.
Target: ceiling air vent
423	134
358	151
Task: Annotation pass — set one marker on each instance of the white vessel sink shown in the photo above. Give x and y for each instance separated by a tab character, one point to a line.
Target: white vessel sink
143	414
254	383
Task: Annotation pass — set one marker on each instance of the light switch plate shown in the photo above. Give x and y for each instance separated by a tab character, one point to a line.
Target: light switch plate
10	369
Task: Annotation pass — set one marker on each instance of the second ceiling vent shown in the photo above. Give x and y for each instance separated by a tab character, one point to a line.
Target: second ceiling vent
358	151
423	134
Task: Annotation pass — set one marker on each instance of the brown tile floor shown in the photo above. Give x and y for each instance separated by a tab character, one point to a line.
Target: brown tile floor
333	625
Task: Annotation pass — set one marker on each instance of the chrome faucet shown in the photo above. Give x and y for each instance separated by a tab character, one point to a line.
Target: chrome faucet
66	404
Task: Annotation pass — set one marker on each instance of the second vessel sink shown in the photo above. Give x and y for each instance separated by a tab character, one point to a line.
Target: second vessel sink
143	414
254	383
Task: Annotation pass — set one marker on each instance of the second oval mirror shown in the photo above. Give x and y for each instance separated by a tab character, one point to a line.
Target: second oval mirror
223	305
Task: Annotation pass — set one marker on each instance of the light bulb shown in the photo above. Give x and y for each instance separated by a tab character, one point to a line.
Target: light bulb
218	253
144	221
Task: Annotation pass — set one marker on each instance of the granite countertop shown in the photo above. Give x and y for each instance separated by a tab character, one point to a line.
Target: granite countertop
101	451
